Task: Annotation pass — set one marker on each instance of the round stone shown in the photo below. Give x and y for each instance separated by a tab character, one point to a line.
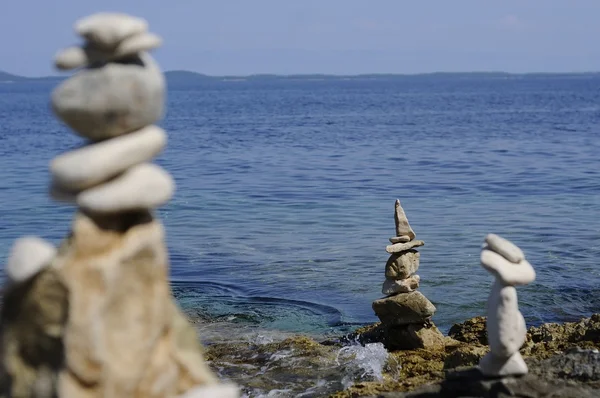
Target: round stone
118	98
28	256
107	29
137	44
142	187
71	58
96	163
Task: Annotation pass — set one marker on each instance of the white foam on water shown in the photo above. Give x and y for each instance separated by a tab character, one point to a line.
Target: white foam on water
368	360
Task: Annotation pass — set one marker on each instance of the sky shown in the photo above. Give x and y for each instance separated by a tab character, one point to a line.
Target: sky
241	37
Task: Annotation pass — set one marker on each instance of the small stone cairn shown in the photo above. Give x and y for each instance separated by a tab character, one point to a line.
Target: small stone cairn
505	324
405	312
96	318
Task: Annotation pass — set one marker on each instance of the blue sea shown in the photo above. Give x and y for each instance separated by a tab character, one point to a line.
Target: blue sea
286	189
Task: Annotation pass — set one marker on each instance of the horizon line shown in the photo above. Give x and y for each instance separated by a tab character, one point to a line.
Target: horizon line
272	74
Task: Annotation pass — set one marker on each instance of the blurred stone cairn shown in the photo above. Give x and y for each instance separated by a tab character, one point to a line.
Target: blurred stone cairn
405	312
96	317
505	324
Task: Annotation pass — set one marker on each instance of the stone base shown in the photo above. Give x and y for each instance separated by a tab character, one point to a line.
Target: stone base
492	365
404	309
413	336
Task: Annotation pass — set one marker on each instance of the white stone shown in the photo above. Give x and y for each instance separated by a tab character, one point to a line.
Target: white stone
71	58
118	98
509	273
107	30
145	186
392	286
513	366
400	247
402	226
505	248
28	256
96	163
225	390
505	324
400	239
137	44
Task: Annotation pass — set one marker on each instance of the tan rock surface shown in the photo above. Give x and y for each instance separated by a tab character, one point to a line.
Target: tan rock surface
402	265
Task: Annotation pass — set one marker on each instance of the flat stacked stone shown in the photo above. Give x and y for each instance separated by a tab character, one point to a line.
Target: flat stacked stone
405	312
96	318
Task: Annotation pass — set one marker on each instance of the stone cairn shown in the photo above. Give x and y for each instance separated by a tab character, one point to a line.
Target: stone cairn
96	318
505	324
405	313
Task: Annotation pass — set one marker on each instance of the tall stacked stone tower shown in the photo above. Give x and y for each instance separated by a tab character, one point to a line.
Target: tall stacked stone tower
405	313
96	317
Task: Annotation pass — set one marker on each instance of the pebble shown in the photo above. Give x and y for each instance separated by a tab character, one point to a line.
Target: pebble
96	163
106	30
508	273
145	186
28	256
400	247
505	248
392	286
400	239
107	102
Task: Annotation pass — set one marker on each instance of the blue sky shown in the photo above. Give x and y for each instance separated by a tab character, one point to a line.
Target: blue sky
221	37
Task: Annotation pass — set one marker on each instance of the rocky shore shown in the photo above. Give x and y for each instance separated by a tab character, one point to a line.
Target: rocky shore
563	361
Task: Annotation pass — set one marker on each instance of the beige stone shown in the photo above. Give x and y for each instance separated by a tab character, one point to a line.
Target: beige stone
393	286
401	247
400	239
123	337
28	256
403	309
402	226
402	265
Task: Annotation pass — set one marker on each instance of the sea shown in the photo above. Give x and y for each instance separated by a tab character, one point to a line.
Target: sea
286	188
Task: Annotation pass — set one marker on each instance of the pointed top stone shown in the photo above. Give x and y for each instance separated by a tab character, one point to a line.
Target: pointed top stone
402	226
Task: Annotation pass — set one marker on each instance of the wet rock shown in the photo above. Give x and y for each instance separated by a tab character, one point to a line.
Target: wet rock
392	286
97	163
145	186
404	308
113	100
402	247
402	265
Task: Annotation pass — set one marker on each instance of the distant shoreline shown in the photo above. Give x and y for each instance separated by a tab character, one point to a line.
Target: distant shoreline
195	76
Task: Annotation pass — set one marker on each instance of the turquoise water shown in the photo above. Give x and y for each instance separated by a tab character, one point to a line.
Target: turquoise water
286	192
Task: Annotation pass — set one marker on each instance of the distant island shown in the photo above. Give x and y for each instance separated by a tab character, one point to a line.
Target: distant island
183	76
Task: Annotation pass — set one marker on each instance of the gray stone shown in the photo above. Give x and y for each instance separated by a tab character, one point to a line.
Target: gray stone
106	30
401	247
403	309
96	163
393	286
402	226
505	248
102	103
145	186
28	256
400	239
402	265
